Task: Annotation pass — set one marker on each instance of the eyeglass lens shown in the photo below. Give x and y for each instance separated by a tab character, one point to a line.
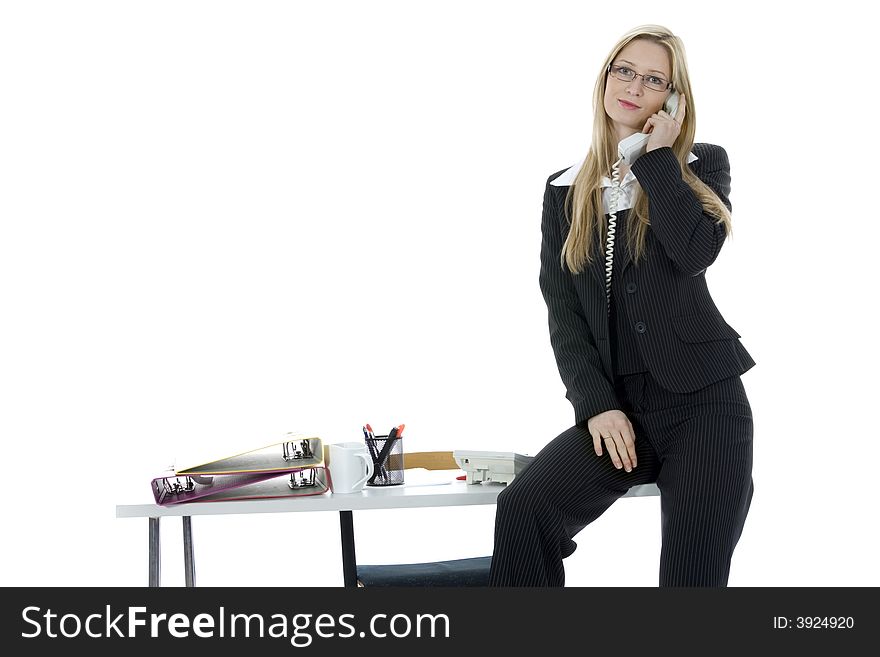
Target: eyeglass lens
626	74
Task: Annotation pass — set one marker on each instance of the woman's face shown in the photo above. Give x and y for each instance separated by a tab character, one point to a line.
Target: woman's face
647	58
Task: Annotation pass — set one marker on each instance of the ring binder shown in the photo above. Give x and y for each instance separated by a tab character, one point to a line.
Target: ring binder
277	486
173	488
247	475
296	452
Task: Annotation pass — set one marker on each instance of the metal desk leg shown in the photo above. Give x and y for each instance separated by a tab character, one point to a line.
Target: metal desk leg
349	561
155	553
189	566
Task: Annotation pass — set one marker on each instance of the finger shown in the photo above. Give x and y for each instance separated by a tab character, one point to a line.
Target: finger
617	450
597	442
666	116
632	434
625	447
681	111
611	446
631	451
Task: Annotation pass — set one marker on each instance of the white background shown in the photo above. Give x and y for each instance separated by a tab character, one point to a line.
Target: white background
224	221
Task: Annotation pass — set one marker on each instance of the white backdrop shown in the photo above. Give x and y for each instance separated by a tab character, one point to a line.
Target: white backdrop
224	221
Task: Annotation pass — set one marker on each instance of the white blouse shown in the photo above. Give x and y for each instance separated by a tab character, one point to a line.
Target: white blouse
624	196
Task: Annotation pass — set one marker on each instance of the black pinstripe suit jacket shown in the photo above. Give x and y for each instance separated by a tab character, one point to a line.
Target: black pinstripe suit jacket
685	342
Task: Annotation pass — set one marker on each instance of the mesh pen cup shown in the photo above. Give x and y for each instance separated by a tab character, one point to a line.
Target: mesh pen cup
387	471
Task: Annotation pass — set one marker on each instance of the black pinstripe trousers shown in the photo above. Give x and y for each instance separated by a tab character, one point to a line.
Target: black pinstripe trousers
697	448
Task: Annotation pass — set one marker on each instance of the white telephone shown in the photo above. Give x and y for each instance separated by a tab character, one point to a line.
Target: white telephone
628	151
634	146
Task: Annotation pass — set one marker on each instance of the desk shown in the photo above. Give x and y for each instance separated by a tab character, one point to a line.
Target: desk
407	495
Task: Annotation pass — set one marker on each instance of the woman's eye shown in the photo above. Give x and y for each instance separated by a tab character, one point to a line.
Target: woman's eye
655	79
622	68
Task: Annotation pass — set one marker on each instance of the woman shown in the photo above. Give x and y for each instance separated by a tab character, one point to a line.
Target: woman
652	370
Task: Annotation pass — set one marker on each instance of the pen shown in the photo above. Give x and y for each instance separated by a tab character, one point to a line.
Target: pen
371	445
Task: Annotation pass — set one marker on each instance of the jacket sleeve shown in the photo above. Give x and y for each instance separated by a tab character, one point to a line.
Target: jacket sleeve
588	389
690	237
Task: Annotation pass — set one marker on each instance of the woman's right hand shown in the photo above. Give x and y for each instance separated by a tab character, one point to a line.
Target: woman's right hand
614	429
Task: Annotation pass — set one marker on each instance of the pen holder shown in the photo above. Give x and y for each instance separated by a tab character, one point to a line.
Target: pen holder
390	471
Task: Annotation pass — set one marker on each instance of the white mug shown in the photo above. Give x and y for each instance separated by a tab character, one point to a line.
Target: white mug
350	467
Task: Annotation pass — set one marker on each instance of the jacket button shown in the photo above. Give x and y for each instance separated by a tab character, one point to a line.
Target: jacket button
640	327
630	287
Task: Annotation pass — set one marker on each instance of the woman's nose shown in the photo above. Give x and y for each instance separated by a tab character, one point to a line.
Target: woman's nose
635	85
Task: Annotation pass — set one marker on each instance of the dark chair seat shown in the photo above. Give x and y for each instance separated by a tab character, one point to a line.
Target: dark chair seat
456	572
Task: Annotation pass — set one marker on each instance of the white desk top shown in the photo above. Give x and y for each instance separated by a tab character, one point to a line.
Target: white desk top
407	495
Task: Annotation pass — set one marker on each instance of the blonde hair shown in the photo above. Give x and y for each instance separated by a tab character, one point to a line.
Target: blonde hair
584	196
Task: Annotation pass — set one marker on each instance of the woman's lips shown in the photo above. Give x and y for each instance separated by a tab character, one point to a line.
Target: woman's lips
624	105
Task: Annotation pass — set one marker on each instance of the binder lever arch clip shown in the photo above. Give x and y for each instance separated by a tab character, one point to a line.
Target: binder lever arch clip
173	485
295	450
302	478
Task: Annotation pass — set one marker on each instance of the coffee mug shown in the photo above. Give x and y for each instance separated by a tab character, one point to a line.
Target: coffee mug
350	466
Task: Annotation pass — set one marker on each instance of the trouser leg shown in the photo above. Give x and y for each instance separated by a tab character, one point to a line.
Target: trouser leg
562	490
706	485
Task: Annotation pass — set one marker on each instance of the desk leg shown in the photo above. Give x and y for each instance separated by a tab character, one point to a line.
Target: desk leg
189	566
349	561
155	553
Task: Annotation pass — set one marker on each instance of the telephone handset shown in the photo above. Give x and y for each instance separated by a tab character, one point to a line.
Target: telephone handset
628	151
634	146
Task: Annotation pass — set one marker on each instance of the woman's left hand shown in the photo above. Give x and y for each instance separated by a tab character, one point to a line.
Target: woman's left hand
665	129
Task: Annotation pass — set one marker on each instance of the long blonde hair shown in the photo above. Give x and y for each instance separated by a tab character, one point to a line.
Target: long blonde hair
584	196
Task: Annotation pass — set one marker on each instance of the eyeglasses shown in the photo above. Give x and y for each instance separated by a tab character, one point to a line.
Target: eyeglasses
626	74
